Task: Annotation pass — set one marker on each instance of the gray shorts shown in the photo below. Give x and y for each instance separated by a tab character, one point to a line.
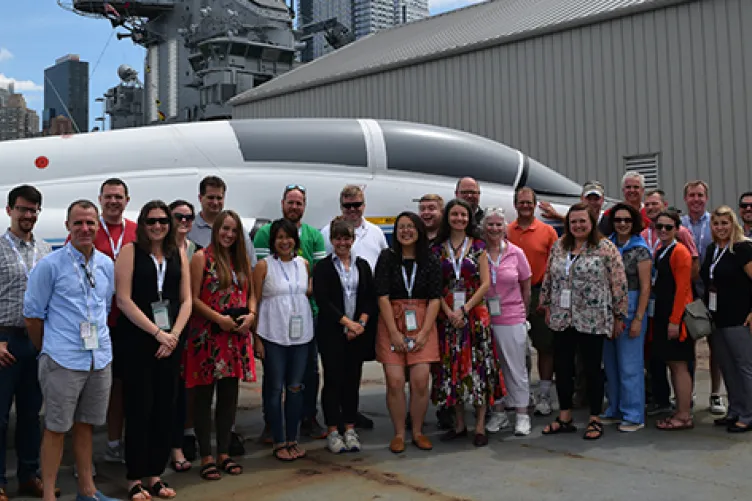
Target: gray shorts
73	396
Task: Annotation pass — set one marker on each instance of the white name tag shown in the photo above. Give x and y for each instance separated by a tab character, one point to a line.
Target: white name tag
458	299
161	312
651	308
411	320
296	327
90	336
566	298
494	306
712	301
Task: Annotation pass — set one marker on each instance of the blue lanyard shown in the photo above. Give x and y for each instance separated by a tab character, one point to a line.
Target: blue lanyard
411	284
293	288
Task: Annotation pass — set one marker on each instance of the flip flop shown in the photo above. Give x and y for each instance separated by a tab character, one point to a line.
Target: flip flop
158	487
231	467
137	490
181	466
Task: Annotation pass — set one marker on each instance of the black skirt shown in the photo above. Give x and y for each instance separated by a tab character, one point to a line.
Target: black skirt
670	350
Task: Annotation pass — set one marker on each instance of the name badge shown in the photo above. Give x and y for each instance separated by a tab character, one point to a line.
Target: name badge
90	336
458	299
411	320
651	308
494	306
161	312
713	301
296	327
566	298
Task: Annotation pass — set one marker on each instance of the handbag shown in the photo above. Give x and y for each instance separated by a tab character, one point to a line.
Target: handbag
697	319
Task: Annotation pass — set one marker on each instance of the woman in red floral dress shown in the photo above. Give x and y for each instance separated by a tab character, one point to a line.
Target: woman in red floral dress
468	372
218	352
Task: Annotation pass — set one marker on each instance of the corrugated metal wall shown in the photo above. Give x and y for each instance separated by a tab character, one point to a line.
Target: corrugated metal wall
675	82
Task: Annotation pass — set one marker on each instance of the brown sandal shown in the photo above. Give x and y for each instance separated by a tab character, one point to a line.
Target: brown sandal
670	424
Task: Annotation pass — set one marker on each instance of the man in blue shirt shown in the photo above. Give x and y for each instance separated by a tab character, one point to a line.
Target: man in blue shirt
66	304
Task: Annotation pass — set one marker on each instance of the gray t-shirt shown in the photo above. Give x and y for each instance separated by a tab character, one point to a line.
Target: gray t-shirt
201	234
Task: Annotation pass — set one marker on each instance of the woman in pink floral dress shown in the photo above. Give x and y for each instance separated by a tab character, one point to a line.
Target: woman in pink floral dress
468	372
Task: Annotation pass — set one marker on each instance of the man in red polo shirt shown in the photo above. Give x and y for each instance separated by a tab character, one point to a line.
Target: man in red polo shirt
114	232
536	239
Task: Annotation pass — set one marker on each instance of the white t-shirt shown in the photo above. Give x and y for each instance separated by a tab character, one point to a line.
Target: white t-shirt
369	242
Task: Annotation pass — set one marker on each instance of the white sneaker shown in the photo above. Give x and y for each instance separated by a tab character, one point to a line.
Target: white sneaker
115	454
352	441
522	425
335	443
543	407
717	407
497	421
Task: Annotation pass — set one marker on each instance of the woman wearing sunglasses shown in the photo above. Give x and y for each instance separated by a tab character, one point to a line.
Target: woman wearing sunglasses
727	274
154	294
623	354
672	288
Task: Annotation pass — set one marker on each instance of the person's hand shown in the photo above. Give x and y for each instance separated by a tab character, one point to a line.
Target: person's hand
457	319
748	322
356	328
673	331
6	358
398	342
547	210
226	323
635	329
163	351
421	339
258	348
246	321
618	327
350	335
166	339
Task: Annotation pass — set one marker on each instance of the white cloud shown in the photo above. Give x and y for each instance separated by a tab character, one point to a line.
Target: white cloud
445	5
5	54
20	85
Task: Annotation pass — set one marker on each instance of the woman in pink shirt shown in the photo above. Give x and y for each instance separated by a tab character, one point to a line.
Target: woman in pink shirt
508	300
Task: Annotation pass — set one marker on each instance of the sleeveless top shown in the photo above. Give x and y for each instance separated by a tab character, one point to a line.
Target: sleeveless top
144	286
284	295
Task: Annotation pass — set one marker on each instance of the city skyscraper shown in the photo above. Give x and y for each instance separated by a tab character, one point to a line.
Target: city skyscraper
370	16
66	92
406	11
327	9
16	120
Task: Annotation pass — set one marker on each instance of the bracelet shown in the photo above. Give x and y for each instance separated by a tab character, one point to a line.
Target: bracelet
362	323
156	333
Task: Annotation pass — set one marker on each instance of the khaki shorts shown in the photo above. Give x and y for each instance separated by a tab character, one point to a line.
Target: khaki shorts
73	396
541	336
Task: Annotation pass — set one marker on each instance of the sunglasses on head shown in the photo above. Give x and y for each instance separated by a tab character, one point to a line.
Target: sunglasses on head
622	220
667	227
291	187
151	221
745	206
352	205
183	217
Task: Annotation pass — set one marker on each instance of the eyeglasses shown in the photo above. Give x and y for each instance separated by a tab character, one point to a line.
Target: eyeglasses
151	221
27	210
618	220
291	187
745	206
352	205
407	227
183	217
469	192
667	227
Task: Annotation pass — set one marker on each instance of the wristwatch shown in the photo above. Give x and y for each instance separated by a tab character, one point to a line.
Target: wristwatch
362	323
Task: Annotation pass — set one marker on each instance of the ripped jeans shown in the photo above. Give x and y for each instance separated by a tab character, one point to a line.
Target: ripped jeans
284	369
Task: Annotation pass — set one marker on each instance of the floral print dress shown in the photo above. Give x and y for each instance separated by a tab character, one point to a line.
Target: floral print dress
468	371
211	353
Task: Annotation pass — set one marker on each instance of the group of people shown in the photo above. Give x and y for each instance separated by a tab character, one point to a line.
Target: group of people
144	325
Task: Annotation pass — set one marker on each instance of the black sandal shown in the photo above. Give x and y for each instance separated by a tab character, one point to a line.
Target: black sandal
593	427
210	472
156	489
231	467
276	451
181	466
136	490
564	427
296	451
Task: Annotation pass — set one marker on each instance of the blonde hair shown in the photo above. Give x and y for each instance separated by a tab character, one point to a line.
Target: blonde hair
349	191
737	232
432	197
695	184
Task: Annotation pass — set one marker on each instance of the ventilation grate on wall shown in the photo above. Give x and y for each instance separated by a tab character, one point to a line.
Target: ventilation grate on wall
647	165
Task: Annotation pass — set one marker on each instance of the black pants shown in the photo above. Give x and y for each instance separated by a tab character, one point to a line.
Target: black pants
566	346
342	372
150	386
180	411
224	414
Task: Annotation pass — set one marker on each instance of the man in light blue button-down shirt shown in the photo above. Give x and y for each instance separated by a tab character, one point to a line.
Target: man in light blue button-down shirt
67	300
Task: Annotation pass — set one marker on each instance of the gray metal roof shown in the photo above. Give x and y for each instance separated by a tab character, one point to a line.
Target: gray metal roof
481	25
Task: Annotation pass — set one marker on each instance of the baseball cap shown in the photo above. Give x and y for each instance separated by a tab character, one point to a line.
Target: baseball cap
593	188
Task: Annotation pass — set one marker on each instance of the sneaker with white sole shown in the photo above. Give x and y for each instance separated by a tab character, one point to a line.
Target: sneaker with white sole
497	421
627	427
543	407
522	425
335	443
717	407
115	454
352	441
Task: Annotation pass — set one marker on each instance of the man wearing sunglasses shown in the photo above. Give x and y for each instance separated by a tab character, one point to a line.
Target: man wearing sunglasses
745	212
313	250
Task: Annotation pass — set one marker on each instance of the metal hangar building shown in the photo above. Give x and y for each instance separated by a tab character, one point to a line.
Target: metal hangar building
591	88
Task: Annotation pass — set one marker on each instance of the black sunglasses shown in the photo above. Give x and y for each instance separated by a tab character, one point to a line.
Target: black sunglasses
622	220
667	227
352	205
183	217
745	206
151	221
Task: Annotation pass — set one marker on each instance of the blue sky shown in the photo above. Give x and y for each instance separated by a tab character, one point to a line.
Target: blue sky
33	33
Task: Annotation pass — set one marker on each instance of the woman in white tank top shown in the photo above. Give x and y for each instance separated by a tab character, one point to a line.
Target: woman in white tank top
285	329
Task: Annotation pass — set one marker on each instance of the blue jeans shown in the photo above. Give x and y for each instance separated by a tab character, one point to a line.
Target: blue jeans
284	369
312	382
20	380
623	360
